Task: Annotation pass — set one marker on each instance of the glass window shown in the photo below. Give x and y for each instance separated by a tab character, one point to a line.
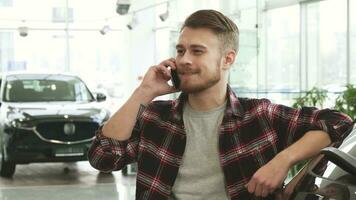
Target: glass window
38	51
46	45
6	50
5	3
86	49
353	42
102	57
243	73
282	53
326	43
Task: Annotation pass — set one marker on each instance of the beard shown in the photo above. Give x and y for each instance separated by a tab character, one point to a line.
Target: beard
207	82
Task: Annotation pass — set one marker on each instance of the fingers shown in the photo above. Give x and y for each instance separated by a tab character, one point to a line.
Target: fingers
259	189
251	187
163	69
267	179
265	192
169	62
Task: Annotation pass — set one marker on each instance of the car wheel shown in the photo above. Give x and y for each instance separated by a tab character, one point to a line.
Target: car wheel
7	169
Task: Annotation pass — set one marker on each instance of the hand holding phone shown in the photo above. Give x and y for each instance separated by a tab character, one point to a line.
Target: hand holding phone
175	79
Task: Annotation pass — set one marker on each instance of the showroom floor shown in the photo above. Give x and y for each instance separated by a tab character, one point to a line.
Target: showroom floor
54	181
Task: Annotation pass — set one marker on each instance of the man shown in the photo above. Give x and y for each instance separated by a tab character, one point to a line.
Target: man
209	144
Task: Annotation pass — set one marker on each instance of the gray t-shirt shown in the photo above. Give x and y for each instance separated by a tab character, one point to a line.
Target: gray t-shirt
200	176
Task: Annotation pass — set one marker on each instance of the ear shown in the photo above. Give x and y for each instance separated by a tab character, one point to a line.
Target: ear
229	59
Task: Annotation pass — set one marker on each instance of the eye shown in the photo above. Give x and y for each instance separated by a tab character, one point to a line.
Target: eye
180	51
198	51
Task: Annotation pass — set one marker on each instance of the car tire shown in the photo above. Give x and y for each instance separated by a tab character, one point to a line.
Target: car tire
7	169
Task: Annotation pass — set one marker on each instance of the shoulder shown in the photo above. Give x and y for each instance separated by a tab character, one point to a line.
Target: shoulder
249	103
161	107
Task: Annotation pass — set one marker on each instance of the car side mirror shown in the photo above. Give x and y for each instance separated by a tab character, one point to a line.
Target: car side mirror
341	159
100	97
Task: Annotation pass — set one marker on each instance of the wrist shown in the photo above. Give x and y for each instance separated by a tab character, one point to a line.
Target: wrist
287	158
144	96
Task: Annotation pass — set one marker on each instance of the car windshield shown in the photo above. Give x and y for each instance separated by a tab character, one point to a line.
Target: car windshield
49	88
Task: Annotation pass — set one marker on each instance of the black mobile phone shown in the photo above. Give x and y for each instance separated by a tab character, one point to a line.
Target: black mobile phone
175	78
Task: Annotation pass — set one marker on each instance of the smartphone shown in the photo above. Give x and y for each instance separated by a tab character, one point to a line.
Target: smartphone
175	79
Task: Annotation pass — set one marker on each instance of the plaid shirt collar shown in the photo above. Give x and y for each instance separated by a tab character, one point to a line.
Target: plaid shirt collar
233	106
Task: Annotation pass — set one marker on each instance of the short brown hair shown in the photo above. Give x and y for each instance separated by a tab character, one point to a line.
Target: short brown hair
221	25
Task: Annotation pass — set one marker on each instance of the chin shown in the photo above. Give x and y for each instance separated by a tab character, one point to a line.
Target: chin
190	90
196	88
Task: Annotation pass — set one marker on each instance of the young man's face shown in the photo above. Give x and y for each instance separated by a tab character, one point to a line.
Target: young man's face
199	59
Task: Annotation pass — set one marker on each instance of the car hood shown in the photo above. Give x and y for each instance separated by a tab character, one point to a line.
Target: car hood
46	110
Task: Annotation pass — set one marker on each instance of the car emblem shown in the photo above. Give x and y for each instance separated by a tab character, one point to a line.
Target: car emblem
69	128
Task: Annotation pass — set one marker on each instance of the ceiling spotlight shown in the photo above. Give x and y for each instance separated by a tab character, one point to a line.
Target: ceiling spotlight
23	31
122	6
132	24
164	16
105	29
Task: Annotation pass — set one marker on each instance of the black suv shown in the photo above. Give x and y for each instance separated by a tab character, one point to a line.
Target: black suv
46	118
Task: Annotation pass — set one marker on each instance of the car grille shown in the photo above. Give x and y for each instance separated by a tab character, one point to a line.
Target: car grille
56	130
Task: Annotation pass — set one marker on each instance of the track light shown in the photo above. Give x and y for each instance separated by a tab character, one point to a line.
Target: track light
164	16
105	29
23	31
133	23
122	7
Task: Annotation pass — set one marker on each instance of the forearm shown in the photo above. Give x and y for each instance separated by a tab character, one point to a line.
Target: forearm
306	147
121	124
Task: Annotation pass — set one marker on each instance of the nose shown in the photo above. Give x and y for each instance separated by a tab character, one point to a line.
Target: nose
184	60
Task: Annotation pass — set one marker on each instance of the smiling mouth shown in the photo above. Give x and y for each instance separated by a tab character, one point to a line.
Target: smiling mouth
187	73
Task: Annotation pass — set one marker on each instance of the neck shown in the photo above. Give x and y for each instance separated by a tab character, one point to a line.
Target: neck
210	98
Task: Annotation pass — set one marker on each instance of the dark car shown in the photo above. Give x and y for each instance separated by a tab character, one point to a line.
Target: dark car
331	175
46	118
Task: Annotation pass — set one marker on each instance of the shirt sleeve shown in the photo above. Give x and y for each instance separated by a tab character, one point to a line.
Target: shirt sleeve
291	124
107	154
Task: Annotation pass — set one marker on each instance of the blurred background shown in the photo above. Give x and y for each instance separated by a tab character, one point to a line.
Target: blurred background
286	46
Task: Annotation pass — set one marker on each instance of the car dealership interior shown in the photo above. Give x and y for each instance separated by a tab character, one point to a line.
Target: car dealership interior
67	66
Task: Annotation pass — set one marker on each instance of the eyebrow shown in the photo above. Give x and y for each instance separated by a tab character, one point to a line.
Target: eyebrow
191	46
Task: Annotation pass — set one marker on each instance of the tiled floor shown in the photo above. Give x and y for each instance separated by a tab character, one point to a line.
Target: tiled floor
66	181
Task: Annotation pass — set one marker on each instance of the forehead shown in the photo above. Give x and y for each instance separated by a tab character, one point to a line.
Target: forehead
198	36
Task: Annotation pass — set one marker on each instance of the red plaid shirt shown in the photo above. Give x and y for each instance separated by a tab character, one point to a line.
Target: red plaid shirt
252	132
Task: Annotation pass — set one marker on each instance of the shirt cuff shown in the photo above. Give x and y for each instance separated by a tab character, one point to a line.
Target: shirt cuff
108	144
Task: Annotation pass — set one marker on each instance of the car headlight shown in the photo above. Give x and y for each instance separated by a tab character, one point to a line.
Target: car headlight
103	114
21	124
